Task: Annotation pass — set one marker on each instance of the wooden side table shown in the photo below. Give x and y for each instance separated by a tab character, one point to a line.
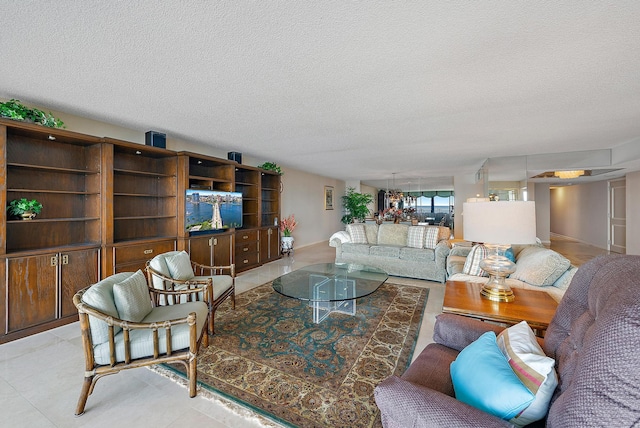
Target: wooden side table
535	307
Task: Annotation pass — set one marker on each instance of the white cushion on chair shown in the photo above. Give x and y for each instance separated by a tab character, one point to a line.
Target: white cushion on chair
100	297
159	264
142	340
221	283
179	266
131	297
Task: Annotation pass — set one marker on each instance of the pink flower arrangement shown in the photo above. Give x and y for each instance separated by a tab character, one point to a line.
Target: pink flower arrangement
287	225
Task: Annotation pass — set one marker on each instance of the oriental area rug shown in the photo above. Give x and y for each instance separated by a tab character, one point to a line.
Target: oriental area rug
268	355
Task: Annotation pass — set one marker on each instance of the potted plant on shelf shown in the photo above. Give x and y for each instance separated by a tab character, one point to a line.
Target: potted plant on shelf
27	209
355	206
15	110
271	166
287	225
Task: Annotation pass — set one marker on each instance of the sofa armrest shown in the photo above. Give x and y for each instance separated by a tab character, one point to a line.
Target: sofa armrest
339	238
442	252
455	264
456	331
404	404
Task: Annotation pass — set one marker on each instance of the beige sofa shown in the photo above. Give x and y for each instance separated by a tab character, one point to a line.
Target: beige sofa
537	268
395	248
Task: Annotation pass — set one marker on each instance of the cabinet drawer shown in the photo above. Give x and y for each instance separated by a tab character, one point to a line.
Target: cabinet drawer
246	248
244	260
141	252
246	236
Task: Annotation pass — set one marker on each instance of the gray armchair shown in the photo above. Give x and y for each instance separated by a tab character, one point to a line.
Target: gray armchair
593	337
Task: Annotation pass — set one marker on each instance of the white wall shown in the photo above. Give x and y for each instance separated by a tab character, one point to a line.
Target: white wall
633	212
580	212
303	195
541	196
465	186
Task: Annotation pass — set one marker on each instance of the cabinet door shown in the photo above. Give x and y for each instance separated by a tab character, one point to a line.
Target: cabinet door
200	250
78	269
269	244
31	291
222	246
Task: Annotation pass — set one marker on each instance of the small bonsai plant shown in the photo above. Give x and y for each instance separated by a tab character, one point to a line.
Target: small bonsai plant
271	166
355	206
14	109
27	209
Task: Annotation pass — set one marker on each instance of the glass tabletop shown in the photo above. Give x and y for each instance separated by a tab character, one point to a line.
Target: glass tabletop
330	282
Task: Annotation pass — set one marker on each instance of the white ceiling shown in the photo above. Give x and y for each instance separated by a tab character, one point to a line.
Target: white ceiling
351	90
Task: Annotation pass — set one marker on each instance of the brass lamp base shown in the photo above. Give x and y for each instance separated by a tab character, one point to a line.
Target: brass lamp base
497	294
498	267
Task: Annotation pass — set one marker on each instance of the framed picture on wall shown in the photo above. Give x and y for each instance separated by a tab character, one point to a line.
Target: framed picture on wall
328	197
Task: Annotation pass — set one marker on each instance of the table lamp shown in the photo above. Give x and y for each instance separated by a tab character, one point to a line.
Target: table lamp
498	225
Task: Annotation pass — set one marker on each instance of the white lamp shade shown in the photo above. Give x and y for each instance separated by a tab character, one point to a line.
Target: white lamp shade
506	222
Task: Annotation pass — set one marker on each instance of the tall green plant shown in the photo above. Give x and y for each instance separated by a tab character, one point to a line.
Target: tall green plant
355	206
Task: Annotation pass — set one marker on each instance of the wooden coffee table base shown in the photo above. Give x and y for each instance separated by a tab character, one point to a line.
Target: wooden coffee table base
535	307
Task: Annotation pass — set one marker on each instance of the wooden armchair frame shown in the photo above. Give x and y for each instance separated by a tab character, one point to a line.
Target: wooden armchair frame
187	357
199	270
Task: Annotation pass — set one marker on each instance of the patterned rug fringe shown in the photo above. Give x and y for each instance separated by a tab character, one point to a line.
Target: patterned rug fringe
235	408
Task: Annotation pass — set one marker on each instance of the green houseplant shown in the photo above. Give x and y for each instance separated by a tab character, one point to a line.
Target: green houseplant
14	109
355	206
27	209
271	166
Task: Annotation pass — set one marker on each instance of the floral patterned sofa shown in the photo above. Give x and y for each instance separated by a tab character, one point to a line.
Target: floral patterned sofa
398	249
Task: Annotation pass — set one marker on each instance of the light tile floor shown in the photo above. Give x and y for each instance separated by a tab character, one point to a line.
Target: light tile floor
41	375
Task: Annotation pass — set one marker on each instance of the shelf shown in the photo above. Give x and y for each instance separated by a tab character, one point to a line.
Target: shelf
141	173
145	217
52	220
143	195
216	180
51	168
61	192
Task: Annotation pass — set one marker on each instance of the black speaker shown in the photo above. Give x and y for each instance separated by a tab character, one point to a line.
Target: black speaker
155	139
235	156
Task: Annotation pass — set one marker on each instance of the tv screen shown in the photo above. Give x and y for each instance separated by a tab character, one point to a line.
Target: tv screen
209	211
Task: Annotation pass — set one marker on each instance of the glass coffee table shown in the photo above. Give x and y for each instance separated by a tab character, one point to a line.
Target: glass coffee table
330	287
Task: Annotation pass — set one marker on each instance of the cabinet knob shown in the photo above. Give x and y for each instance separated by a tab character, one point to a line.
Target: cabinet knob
148	251
245	249
245	261
245	236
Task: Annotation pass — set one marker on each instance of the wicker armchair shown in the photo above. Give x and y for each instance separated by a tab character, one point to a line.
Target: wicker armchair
174	271
118	335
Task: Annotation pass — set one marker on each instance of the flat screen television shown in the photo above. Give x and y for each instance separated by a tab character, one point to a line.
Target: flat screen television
210	211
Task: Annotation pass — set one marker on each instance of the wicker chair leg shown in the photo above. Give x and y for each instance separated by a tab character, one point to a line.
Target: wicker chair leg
233	300
193	377
84	394
212	314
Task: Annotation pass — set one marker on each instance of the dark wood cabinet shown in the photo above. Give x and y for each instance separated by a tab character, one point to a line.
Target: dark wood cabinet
108	207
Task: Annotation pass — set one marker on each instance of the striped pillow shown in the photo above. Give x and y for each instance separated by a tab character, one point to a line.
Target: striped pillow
415	237
472	263
534	369
358	233
431	237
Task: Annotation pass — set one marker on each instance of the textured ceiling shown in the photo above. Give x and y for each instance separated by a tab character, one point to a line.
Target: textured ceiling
351	90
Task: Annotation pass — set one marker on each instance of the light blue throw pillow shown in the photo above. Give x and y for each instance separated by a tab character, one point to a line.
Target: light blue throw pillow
482	378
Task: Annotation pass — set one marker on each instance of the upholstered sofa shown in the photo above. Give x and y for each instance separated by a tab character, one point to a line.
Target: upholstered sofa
592	341
398	249
537	268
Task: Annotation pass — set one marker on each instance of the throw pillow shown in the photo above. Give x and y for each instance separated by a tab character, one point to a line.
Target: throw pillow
131	297
482	378
540	266
534	369
431	237
358	233
179	265
472	263
415	237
